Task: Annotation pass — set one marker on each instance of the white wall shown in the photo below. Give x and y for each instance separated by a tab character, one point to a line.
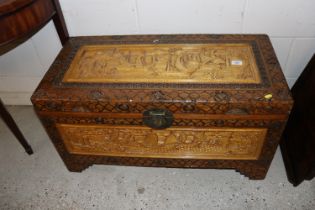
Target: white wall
22	69
290	24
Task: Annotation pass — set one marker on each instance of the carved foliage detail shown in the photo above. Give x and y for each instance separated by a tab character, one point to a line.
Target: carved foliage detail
213	143
180	63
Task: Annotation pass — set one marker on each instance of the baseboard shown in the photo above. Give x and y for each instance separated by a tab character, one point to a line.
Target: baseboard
16	98
17	89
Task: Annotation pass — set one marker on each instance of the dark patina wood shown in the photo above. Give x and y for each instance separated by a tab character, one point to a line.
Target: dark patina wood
298	139
5	115
19	20
60	24
255	105
10	6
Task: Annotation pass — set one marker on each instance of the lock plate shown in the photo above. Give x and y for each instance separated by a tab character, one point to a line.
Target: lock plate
158	118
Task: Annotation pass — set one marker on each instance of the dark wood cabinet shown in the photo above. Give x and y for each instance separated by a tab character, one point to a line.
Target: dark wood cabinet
19	20
298	140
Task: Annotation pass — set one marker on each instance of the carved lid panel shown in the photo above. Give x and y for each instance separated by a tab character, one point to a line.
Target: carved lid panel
164	63
196	74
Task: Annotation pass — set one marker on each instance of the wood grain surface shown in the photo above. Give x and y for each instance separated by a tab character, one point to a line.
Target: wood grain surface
175	142
164	63
9	6
16	27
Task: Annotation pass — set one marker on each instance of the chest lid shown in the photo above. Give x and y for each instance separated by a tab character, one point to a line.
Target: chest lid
211	63
182	73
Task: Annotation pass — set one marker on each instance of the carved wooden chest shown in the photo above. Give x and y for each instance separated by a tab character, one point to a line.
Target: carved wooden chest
195	101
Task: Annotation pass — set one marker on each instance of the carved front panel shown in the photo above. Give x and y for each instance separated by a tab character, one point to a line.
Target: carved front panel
136	141
164	63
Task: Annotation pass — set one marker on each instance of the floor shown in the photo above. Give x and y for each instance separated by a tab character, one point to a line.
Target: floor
41	181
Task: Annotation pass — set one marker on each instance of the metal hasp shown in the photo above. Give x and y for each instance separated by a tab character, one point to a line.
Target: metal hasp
158	118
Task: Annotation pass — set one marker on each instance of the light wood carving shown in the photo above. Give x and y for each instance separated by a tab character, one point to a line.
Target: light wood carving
164	63
137	141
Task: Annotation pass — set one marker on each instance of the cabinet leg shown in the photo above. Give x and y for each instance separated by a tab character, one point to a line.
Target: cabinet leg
75	165
254	173
7	118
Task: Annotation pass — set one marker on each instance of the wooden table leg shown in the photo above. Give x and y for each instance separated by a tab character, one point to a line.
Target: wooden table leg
60	24
5	115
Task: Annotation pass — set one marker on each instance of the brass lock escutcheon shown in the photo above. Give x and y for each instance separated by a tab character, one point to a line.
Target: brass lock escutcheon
158	118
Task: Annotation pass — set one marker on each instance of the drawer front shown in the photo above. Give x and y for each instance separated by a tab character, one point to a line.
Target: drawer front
175	142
